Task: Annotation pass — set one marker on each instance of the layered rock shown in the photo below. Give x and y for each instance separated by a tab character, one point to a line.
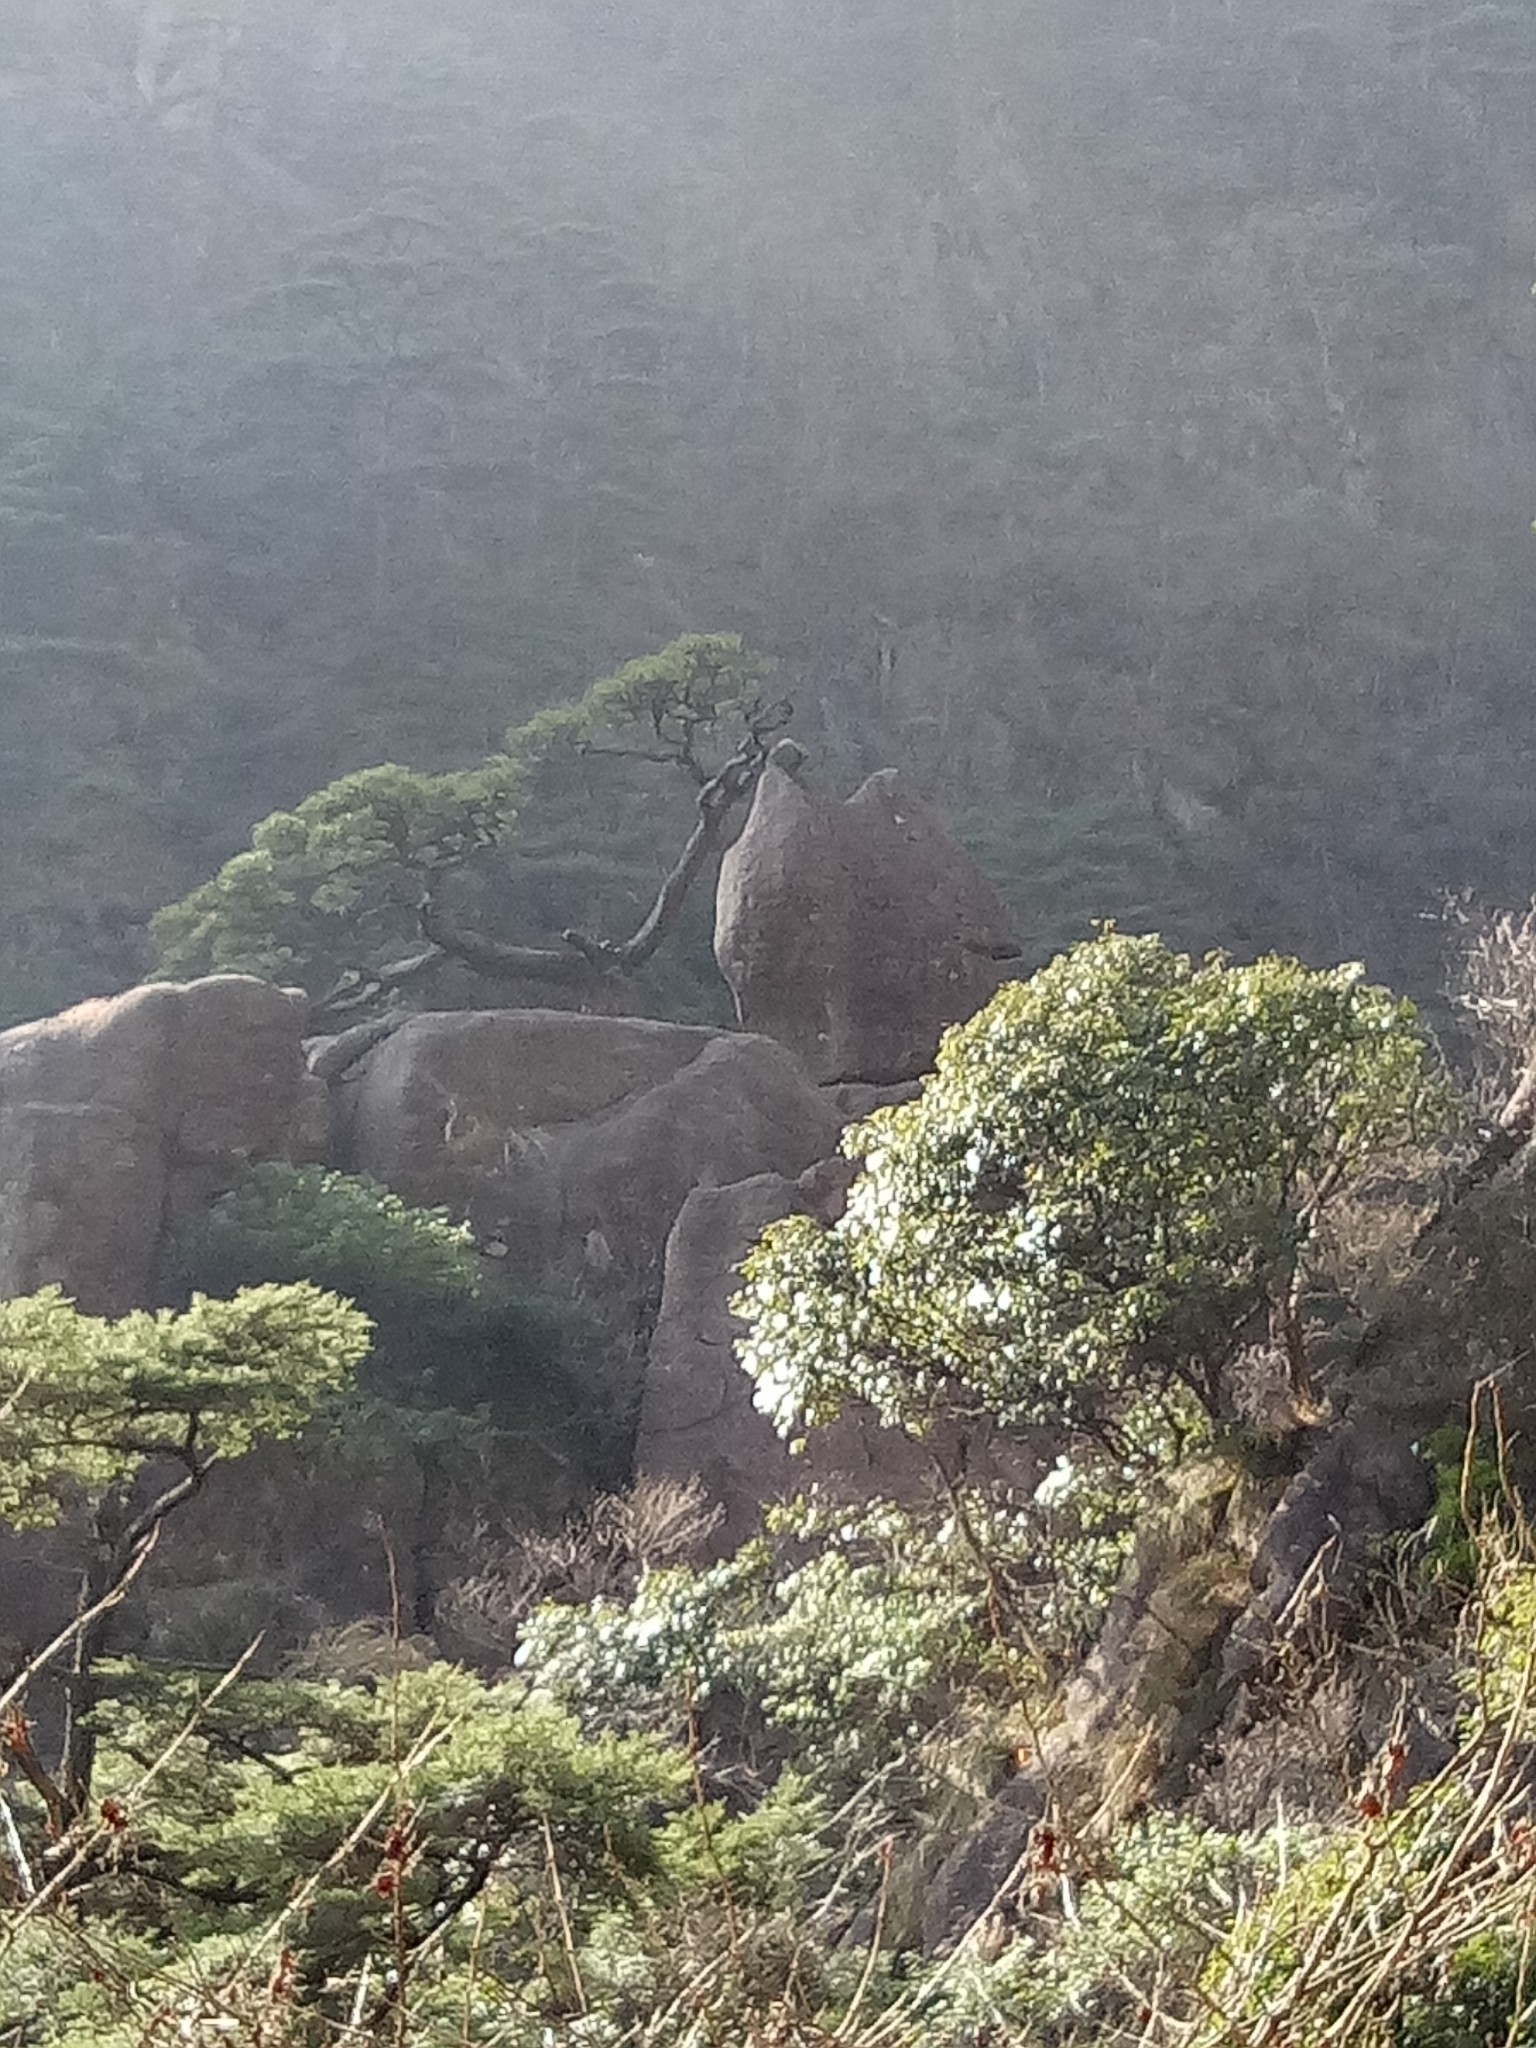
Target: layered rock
854	933
121	1115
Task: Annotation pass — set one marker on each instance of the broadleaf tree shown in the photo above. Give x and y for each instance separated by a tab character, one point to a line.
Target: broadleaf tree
1106	1189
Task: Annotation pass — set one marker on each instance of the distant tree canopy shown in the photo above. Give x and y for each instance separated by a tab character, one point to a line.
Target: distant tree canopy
1126	430
331	892
1115	1169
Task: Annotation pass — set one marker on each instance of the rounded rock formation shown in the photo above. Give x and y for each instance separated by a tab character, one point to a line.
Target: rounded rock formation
124	1114
854	933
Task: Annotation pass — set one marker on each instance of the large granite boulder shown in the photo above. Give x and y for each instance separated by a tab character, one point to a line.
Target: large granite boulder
124	1114
697	1418
573	1141
854	933
696	1415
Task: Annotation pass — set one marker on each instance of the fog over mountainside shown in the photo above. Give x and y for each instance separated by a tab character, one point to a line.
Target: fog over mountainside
1120	415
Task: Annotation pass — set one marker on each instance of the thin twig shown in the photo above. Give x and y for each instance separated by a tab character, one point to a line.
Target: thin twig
872	1956
104	1830
567	1932
110	1599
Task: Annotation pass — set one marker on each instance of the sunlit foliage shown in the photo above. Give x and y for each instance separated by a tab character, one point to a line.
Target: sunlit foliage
1114	1169
87	1403
335	885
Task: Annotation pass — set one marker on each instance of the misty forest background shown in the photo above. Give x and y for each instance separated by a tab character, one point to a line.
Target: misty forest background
1119	412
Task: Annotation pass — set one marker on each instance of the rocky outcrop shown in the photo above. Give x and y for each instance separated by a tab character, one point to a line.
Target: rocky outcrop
120	1116
573	1141
1130	1722
1239	1581
855	933
1364	1482
697	1417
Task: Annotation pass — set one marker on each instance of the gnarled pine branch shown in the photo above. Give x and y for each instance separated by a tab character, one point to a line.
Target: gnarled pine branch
586	962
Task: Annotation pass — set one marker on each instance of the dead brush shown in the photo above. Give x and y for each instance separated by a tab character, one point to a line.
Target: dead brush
600	1554
1331	1690
1493	984
1368	1244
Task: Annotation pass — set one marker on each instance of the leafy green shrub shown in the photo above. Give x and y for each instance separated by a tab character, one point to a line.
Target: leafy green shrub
113	1427
415	1271
417	1818
1096	1947
1466	1492
87	1404
1482	2000
1063	1553
1113	1170
469	1394
283	1858
844	1630
305	1221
